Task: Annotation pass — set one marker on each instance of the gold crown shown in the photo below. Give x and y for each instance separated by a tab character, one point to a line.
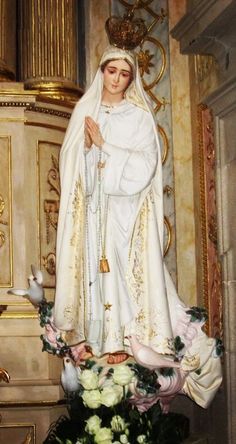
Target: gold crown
126	32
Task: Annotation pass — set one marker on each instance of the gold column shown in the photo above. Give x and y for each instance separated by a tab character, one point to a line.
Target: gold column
48	46
7	40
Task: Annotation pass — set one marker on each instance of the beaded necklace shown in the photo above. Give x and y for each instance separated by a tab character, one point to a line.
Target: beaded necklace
102	264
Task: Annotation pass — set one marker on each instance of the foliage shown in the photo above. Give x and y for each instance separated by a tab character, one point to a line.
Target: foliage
149	427
198	314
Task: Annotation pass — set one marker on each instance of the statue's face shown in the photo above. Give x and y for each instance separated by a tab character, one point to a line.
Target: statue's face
116	77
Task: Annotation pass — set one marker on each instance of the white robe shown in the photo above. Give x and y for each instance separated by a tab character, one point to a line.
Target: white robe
130	155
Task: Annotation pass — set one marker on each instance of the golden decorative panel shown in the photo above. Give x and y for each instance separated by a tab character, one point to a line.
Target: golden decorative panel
49	195
18	433
211	272
5	213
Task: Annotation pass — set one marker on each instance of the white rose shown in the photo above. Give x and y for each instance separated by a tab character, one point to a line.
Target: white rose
93	424
111	395
141	439
92	398
103	436
89	380
117	424
124	439
122	375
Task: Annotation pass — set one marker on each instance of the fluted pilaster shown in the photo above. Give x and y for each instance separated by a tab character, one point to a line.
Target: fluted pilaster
48	46
7	40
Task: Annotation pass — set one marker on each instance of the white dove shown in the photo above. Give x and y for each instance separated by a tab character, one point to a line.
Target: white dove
148	358
69	376
35	292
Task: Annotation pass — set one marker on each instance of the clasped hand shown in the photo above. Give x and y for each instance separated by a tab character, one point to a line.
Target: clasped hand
92	133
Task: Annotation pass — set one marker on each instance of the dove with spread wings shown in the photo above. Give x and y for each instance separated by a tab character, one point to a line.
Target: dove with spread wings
35	292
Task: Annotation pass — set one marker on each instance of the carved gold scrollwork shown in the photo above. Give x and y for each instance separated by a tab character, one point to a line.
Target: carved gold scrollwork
2	238
53	176
165	147
4	375
49	262
168	230
2	222
28	439
51	209
145	5
161	71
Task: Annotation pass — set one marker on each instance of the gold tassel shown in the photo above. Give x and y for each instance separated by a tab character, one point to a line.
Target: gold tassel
104	265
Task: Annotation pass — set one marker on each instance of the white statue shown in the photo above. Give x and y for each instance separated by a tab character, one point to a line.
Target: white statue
112	282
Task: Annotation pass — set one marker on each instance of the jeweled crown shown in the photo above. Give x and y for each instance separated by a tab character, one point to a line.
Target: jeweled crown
126	32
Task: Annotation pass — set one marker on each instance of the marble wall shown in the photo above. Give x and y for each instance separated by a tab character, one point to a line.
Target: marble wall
183	164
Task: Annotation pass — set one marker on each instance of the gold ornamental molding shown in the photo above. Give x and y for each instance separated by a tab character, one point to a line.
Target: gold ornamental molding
31	107
6	249
19	315
9	104
21	310
37	109
211	272
48	206
2	222
56	90
43	403
49	111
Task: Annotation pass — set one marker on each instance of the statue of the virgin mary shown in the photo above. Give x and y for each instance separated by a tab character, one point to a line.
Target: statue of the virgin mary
112	282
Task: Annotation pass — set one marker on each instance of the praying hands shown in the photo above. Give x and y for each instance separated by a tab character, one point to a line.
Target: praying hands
92	133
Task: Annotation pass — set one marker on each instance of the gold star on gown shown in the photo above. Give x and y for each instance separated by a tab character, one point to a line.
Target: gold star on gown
107	306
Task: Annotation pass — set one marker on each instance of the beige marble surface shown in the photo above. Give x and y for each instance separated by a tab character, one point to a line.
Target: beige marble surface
183	171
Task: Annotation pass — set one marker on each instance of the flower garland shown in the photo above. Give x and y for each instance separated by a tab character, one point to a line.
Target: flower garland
122	403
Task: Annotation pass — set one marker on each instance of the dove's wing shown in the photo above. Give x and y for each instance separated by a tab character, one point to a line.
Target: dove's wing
18	292
64	380
37	274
